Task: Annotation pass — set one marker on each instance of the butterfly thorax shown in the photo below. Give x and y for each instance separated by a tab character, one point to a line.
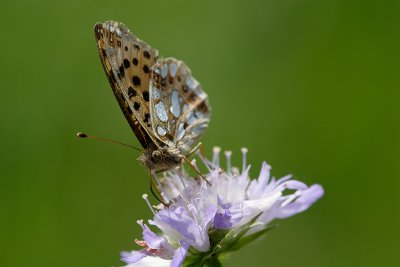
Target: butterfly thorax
160	159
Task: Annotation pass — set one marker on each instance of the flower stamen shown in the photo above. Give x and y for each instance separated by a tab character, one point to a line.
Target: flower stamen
215	160
228	155
145	198
200	155
244	158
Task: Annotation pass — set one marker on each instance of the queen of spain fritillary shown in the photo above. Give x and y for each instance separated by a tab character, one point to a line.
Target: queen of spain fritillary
164	105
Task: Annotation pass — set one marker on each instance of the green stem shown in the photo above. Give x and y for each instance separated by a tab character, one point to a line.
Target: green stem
211	261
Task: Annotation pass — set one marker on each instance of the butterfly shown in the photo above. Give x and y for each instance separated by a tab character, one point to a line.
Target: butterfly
164	105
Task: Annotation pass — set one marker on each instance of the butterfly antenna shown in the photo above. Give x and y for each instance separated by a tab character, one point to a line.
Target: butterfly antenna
83	135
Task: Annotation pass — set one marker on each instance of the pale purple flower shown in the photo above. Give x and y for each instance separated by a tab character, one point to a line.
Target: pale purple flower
229	202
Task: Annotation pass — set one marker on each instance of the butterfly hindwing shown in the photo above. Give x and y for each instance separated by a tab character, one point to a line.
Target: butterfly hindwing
178	105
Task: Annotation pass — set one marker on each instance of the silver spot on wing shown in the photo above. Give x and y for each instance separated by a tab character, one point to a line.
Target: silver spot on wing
175	108
156	93
164	71
191	83
199	129
161	112
199	114
118	32
190	117
184	72
172	69
161	130
181	132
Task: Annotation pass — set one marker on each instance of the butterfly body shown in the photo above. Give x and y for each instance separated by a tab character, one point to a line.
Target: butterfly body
160	159
163	104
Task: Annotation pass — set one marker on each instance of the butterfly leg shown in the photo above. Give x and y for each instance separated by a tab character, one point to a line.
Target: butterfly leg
195	169
198	147
153	184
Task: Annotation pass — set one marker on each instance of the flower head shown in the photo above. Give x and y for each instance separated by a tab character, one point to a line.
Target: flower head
206	219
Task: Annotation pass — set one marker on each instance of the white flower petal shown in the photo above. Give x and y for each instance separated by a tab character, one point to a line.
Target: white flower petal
151	262
261	205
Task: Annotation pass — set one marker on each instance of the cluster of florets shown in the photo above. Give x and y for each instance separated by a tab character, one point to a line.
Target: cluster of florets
207	219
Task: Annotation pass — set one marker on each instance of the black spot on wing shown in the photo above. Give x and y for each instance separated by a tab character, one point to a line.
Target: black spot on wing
146	54
192	97
136	106
131	92
203	107
127	64
146	96
121	71
136	80
146	117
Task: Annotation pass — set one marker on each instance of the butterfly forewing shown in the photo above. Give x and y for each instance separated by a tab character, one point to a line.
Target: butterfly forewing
178	106
127	61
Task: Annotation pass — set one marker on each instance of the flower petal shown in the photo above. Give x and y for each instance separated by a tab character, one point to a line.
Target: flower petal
304	201
152	240
261	205
151	262
223	220
257	187
134	256
180	254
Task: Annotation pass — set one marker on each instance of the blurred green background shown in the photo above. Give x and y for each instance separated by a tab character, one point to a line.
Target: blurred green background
310	86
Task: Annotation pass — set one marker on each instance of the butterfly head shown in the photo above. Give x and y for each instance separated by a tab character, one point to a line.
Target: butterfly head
160	159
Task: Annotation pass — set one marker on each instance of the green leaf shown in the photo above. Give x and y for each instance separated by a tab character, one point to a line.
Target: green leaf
216	235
